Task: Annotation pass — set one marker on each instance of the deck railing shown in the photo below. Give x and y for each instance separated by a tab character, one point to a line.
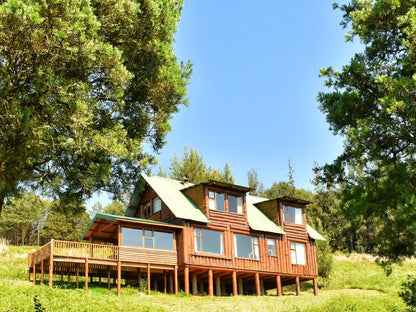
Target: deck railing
85	250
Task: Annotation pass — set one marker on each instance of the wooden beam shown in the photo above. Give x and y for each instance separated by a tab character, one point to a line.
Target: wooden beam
51	265
34	273
210	283
103	228
315	286
165	284
176	279
297	286
41	272
118	278
262	291
171	290
186	280
69	275
108	277
194	284
218	285
86	275
278	285
77	274
235	291
148	278
257	280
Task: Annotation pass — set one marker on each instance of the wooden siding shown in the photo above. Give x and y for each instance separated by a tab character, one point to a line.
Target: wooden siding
223	219
145	255
271	210
196	194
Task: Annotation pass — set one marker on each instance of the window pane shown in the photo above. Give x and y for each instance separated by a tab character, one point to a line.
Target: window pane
300	254
293	256
212	242
197	244
271	246
256	248
157	204
292	214
219	199
239	205
148	233
212	203
243	246
163	240
132	237
148	242
298	216
232	203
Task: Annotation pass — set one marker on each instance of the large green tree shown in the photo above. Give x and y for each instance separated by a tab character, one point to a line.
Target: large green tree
371	102
84	85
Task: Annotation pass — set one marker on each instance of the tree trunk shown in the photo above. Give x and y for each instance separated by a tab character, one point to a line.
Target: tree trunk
2	201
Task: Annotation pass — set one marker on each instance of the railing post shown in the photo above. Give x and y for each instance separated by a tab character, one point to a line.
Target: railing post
51	264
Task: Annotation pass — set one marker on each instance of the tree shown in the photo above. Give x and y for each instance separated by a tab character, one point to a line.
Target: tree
83	85
325	260
227	176
371	102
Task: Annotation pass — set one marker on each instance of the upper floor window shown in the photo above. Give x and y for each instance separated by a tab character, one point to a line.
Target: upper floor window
246	246
151	207
146	210
157	204
209	241
225	202
147	239
271	247
292	214
298	253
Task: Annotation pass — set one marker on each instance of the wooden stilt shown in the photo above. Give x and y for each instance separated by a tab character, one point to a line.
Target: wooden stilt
297	286
171	290
118	278
201	288
223	289
155	285
257	280
139	279
69	275
41	272
77	275
51	265
86	275
148	279
165	284
186	280
62	273
34	273
218	285
234	278
194	284
210	283
176	279
278	285
240	286
108	277
315	286
262	291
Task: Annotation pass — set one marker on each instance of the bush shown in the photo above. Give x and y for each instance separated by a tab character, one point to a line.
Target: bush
325	260
408	293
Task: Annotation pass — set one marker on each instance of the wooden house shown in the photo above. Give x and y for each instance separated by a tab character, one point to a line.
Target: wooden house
210	237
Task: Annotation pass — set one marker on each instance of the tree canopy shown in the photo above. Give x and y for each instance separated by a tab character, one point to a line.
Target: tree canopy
84	86
371	102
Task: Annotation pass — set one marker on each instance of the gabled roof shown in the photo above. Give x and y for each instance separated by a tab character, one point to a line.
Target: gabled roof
170	193
257	220
314	234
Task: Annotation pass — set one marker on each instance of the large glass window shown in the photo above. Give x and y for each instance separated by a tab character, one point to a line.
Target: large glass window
235	204
157	204
216	201
246	246
298	253
147	239
271	246
292	214
209	241
132	237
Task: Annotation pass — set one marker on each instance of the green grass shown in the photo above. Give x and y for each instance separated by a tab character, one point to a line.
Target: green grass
357	284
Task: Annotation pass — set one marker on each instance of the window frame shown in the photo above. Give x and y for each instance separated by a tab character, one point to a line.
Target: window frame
199	237
226	205
295	250
286	209
157	198
274	244
254	243
150	238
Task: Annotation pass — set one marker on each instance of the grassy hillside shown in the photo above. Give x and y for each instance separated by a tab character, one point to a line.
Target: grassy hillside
357	284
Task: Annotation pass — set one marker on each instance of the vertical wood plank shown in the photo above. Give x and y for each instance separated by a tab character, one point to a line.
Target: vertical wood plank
210	283
234	278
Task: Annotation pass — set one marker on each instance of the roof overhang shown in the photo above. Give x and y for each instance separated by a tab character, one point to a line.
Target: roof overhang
224	185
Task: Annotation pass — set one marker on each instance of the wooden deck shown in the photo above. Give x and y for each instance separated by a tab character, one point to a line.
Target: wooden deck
98	260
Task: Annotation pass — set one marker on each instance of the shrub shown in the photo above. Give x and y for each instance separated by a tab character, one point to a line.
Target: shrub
408	293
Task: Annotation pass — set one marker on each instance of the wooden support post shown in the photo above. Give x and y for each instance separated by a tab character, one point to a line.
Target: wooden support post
278	285
99	278
315	286
257	280
186	280
218	285
201	288
41	272
176	279
108	277
69	274
86	275
148	278
223	289
171	290
210	283
62	273
165	283
29	266
51	265
155	285
194	284
139	279
118	278
234	278
240	286
262	291
297	286
77	275
34	273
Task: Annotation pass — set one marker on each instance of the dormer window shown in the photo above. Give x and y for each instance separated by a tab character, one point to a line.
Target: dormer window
292	214
157	204
225	202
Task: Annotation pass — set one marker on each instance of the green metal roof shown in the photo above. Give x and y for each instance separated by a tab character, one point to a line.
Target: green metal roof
257	220
170	193
314	234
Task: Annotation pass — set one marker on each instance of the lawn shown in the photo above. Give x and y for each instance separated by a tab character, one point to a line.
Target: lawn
357	284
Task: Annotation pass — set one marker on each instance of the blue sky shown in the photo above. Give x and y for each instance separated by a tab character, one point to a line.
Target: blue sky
252	95
255	81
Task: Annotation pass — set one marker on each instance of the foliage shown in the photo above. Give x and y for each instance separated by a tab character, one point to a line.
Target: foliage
408	293
37	306
23	218
253	182
115	208
192	166
371	103
83	86
325	260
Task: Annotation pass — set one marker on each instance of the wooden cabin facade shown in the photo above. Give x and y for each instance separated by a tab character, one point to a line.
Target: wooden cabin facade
206	238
